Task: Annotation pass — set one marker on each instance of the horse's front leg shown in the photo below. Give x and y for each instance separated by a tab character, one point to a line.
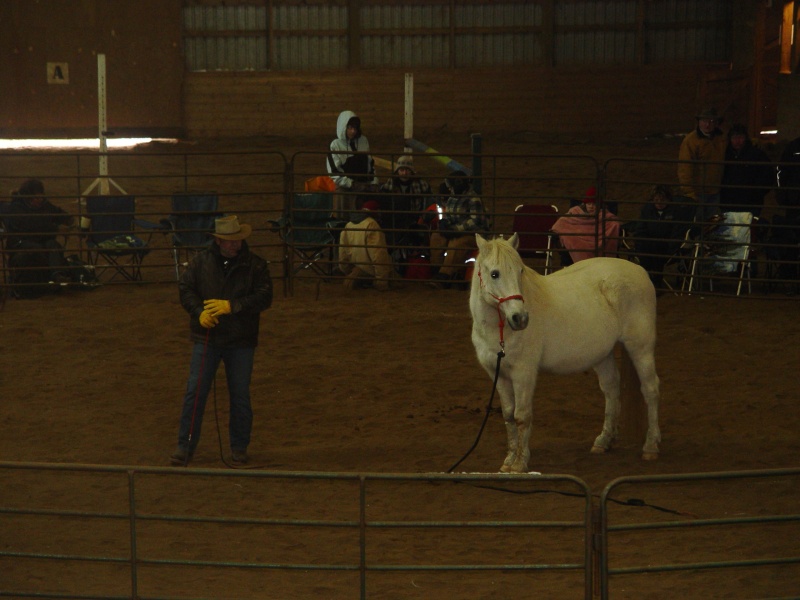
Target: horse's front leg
608	374
518	426
506	391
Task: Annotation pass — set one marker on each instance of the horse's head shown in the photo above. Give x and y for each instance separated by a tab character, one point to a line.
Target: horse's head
499	272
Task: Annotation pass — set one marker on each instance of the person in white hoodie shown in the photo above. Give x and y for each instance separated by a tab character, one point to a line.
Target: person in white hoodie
350	165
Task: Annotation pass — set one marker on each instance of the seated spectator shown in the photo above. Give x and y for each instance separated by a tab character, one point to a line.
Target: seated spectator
35	256
578	229
462	217
748	175
660	231
350	165
403	203
362	250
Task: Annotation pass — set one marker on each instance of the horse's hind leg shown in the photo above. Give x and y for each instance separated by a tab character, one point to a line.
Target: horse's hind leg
645	364
608	375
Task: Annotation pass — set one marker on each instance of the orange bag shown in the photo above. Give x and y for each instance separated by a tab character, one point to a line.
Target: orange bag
321	183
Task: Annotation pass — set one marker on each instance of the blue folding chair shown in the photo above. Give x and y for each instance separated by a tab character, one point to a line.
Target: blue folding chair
190	225
111	235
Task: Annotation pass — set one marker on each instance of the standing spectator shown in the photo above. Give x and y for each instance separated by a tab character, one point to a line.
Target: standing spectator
659	232
584	229
786	227
362	249
744	184
405	197
700	170
36	258
350	165
462	217
224	290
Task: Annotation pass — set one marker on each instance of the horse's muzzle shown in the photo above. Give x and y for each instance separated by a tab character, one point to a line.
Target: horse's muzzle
518	320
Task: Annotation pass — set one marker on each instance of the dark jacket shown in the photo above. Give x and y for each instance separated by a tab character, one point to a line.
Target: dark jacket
247	285
39	225
745	185
664	229
789	181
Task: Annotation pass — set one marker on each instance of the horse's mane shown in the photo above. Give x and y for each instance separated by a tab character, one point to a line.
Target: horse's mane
500	250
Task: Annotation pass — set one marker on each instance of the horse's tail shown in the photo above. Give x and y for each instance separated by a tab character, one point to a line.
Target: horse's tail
633	410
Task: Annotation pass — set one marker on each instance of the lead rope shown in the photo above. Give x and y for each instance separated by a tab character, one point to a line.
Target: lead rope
500	355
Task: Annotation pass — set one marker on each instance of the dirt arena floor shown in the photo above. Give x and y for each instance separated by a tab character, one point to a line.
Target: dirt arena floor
372	382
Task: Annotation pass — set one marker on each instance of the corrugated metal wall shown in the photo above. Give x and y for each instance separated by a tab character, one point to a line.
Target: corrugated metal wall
442	34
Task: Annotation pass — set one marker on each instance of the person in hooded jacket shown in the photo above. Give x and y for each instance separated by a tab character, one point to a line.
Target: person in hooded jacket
748	175
224	290
350	165
362	249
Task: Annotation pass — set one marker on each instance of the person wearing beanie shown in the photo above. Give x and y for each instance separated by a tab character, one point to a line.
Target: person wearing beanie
363	255
748	175
403	200
700	168
578	230
350	165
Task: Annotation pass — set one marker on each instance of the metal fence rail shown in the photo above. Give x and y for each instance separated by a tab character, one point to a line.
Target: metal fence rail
259	187
710	551
141	532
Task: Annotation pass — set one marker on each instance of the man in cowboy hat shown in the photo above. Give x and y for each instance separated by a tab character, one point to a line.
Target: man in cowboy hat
701	163
224	290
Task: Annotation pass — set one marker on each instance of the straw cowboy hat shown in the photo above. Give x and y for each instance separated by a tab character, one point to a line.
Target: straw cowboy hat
228	228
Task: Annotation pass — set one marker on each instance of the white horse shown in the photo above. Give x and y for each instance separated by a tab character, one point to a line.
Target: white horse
564	322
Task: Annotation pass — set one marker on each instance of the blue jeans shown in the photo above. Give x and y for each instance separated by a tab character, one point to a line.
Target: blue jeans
238	369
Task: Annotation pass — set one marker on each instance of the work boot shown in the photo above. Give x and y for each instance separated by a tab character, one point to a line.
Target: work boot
181	456
239	456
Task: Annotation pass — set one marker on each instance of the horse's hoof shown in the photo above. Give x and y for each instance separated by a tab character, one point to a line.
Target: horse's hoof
599	450
649	455
505	469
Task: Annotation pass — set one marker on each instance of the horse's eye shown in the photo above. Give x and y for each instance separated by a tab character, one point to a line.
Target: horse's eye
495	274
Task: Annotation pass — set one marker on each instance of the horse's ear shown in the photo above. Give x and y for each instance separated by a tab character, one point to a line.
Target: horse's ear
480	241
514	240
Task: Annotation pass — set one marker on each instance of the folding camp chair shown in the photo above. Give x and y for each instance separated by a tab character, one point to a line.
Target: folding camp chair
533	222
189	225
110	235
724	249
308	233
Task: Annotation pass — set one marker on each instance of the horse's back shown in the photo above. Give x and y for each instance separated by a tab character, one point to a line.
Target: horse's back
618	281
610	291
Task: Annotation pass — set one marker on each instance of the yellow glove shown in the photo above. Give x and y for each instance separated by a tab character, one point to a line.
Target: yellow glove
208	320
217	307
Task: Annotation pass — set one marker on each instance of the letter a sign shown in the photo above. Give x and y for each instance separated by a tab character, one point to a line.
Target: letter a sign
57	72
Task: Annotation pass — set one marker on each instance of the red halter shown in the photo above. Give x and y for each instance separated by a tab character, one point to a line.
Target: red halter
500	321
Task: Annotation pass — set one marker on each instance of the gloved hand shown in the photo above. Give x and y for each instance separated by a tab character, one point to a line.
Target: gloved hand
208	320
217	307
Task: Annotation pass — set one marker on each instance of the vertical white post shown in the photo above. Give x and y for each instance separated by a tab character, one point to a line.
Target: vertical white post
408	113
103	181
102	126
